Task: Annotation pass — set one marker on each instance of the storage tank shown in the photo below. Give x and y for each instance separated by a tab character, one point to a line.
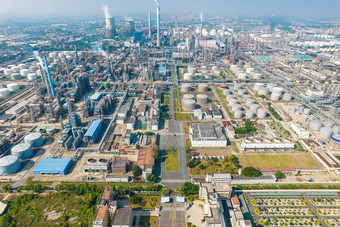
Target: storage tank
237	87
35	139
306	111
9	165
187	76
261	113
249	102
287	97
246	96
250	114
270	86
22	150
325	133
188	96
4	92
329	124
33	68
186	87
275	97
202	87
8	72
13	87
241	92
230	97
315	125
24	72
202	98
257	76
235	107
226	92
254	107
238	114
257	86
233	102
189	104
15	76
263	91
242	76
278	90
192	69
32	76
334	143
336	129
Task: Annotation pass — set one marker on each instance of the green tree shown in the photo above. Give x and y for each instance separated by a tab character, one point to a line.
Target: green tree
201	166
107	85
279	174
136	171
7	221
187	189
137	146
156	153
152	178
165	191
136	199
251	172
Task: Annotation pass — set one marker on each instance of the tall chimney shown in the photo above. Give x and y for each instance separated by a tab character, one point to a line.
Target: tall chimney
149	19
158	25
49	78
110	32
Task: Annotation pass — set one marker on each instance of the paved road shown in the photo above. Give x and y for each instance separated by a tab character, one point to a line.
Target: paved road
172	214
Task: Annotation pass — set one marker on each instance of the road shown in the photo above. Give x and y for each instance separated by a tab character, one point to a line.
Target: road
172	214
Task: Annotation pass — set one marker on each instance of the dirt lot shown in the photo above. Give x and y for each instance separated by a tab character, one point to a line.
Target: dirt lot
195	213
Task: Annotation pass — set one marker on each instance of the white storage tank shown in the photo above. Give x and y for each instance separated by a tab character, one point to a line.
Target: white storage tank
226	92
238	114
8	72
203	87
32	76
270	86
186	87
329	124
237	87
242	76
246	96
189	104
315	125
13	87
287	97
202	98
263	91
15	76
33	68
235	107
187	76
188	96
35	139
275	97
249	102
254	107
261	113
278	91
233	102
22	150
241	92
250	114
336	129
257	86
230	97
4	92
9	164
24	72
325	133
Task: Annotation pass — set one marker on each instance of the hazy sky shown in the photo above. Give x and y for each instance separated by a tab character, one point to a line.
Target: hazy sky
289	8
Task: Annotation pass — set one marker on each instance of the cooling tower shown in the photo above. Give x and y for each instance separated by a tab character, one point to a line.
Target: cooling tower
110	32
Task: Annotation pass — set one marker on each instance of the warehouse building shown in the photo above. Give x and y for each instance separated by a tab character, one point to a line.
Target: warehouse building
146	161
119	166
207	135
267	145
58	166
93	131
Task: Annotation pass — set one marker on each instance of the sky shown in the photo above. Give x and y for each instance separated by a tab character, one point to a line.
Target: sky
248	8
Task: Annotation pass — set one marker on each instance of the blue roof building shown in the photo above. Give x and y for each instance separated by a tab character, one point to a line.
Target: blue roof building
180	199
165	200
94	130
162	70
52	166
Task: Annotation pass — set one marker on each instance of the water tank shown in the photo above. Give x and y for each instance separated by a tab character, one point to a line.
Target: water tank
336	129
202	98
257	86
261	113
188	96
22	150
4	92
24	72
35	139
236	107
13	87
233	102
32	76
23	66
315	125
202	87
249	101
8	72
263	91
241	92
277	90
254	107
9	164
15	76
325	133
189	104
329	124
307	111
275	97
238	114
186	87
33	68
187	76
287	97
250	114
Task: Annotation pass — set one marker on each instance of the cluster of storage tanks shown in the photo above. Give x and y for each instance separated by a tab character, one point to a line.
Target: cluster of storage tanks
249	108
6	89
22	70
11	163
205	72
275	92
325	129
245	72
189	100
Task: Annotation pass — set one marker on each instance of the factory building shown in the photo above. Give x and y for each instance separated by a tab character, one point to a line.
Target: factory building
267	145
303	134
96	165
93	131
119	166
146	161
58	166
207	135
216	112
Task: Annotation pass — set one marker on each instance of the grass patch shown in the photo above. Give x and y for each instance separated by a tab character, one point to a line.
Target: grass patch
146	221
279	161
183	116
210	166
234	146
186	127
222	100
176	105
338	157
148	201
171	163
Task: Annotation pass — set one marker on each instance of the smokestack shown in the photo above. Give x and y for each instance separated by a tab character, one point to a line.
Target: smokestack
158	25
149	18
49	78
110	32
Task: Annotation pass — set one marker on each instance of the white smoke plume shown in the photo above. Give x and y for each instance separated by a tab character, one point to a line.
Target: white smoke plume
106	11
157	2
36	55
99	49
